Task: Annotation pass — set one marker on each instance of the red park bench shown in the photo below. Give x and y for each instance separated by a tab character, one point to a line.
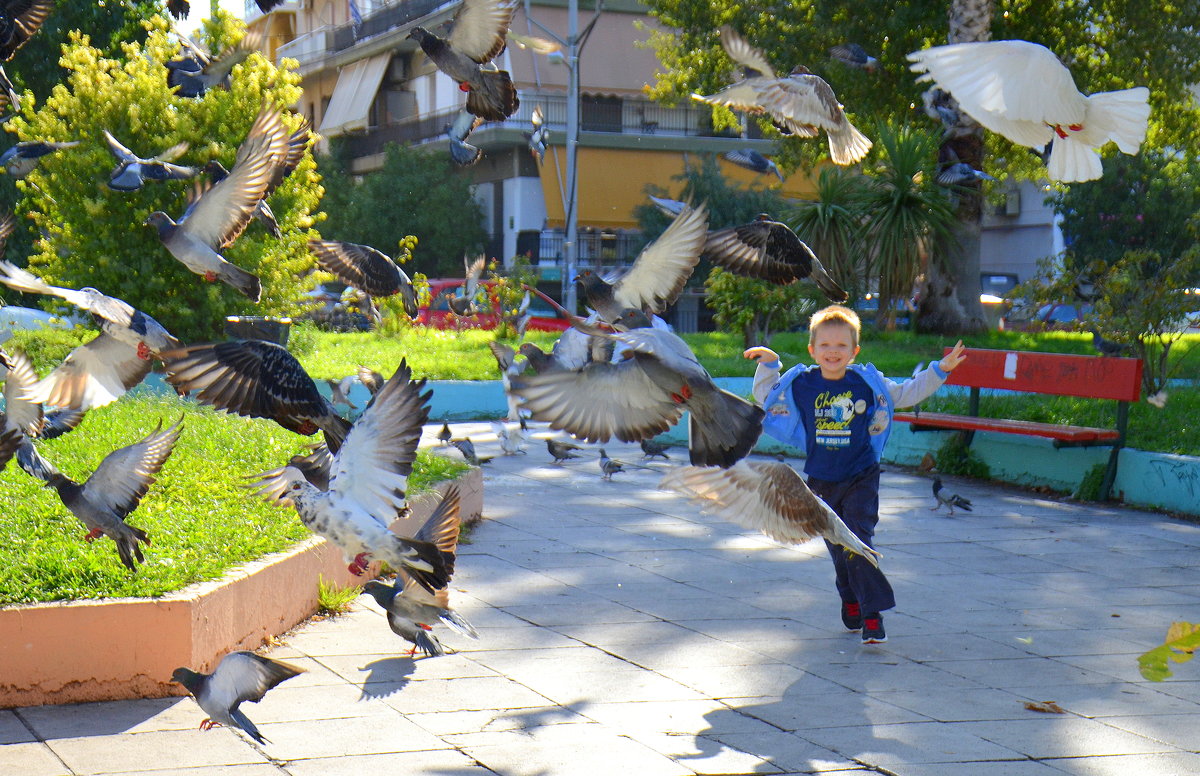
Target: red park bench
1093	377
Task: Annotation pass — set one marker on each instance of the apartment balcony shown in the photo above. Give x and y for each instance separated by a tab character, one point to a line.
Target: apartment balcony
382	29
606	116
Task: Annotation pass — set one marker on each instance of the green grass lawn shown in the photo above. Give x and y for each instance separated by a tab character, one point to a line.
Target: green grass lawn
200	520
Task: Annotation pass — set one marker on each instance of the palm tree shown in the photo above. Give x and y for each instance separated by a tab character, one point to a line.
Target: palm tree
832	226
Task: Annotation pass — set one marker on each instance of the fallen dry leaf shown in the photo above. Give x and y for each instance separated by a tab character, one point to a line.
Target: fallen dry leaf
1045	707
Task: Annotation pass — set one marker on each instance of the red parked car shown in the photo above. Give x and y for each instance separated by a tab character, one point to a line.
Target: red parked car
438	315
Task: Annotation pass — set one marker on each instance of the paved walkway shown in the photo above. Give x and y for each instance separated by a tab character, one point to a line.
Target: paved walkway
623	633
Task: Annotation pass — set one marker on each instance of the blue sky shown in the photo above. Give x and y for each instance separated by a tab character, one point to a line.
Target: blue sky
200	11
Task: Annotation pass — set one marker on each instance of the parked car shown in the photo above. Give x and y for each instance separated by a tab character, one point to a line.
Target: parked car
1058	316
437	314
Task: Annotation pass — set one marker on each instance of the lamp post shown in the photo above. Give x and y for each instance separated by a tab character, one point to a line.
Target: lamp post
572	46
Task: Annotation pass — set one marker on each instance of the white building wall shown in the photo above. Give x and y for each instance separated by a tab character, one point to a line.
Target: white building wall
524	210
1018	234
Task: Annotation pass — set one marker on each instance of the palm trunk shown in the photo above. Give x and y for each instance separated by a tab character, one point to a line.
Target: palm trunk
950	302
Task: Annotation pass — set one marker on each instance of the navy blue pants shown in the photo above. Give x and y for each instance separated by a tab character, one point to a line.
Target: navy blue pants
856	501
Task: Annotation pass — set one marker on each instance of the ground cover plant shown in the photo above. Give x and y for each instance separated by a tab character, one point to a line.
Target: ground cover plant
199	517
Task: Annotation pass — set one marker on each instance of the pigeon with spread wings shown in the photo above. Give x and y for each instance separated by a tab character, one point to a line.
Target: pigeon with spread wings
476	38
642	396
1022	91
132	171
115	489
19	21
218	216
240	676
768	250
367	269
101	371
767	496
255	379
749	159
368	485
465	305
297	144
22	401
195	71
659	273
799	103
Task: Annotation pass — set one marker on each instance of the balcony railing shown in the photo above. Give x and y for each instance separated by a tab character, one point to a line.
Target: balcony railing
307	48
620	116
385	19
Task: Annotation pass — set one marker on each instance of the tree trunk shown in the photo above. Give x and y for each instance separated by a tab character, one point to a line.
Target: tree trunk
950	303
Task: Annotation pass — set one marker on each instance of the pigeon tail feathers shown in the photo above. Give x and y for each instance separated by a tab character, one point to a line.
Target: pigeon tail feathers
242	721
1071	161
846	144
726	437
496	100
1119	116
244	282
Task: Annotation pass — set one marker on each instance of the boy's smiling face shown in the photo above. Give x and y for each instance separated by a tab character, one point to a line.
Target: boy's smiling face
832	348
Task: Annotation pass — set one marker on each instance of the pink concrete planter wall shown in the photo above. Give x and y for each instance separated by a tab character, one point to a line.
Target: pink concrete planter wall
110	649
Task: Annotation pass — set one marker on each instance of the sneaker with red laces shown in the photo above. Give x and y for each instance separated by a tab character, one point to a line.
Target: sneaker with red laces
851	615
872	629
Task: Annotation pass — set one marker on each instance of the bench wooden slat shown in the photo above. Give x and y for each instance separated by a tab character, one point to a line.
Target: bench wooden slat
1075	434
1059	374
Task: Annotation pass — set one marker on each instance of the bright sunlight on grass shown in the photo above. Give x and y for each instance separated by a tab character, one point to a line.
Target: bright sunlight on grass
200	520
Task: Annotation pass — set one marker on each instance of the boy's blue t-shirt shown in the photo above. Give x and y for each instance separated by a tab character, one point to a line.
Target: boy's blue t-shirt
836	416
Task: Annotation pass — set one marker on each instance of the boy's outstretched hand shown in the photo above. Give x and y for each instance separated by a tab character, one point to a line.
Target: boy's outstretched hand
761	355
949	361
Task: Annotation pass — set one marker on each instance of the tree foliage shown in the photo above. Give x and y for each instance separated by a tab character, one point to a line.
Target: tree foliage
415	193
91	235
756	308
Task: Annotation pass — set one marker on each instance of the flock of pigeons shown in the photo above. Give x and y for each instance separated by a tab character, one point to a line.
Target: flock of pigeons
617	374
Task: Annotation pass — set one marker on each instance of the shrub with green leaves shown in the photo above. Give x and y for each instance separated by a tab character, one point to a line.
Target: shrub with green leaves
956	457
93	236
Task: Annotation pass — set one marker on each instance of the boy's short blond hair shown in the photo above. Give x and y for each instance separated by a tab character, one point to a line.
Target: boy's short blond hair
835	313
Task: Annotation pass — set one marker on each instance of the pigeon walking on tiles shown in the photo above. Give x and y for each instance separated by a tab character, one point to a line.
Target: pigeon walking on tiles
256	379
798	104
240	676
368	485
561	451
652	449
476	38
769	250
467	448
512	440
767	496
132	171
609	466
444	434
215	219
114	491
1022	91
945	497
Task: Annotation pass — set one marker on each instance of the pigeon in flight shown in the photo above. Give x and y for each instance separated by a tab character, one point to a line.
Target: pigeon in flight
512	440
767	496
1022	91
652	449
411	610
339	391
240	676
561	451
476	38
22	158
642	396
19	21
465	305
947	498
217	217
370	379
799	103
132	171
540	136
369	483
25	411
297	144
101	371
368	270
510	364
768	250
11	440
659	273
195	71
668	207
115	489
315	466
754	162
256	379
854	55
463	153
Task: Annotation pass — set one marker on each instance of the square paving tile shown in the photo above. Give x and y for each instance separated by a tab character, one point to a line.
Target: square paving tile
443	762
31	759
171	748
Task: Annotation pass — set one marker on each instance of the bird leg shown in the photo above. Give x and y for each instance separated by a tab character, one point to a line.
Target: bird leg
209	724
684	394
93	535
464	87
210	276
359	564
143	351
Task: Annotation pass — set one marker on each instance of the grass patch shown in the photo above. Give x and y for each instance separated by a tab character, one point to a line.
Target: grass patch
200	520
333	599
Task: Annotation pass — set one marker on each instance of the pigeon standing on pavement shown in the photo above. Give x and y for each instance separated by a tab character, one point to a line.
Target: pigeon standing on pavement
1022	91
652	449
753	161
445	434
476	38
768	250
102	370
642	396
766	496
23	158
256	379
370	271
512	440
609	466
215	219
950	500
115	489
240	676
369	483
411	610
132	171
561	451
799	103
